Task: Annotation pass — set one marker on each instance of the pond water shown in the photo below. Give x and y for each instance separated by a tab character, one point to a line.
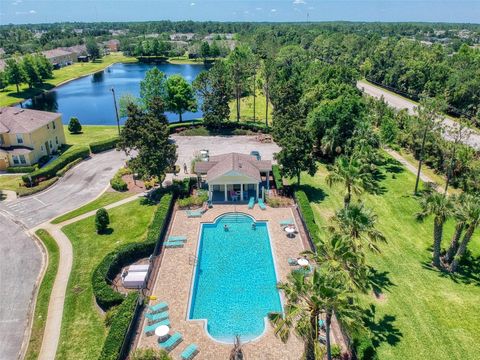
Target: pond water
90	98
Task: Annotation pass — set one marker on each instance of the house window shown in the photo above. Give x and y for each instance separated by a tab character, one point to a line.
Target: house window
15	159
48	126
53	125
56	140
22	159
19	139
51	147
41	147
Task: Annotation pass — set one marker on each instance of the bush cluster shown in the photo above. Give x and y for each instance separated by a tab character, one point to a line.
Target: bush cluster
364	348
126	254
225	125
103	145
277	177
50	170
307	214
20	169
26	191
193	200
117	183
118	330
62	171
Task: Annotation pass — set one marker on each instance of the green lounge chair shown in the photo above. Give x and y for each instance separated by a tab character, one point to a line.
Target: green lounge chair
151	328
169	344
156	317
287	222
177	238
195	213
174	244
292	262
160	307
189	352
251	203
261	204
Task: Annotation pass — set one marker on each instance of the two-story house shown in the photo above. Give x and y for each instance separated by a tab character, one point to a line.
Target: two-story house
27	135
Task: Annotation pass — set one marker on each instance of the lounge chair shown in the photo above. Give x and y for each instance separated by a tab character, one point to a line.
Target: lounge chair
195	213
156	316
160	307
292	261
174	244
177	238
169	344
151	328
251	203
261	204
287	222
189	352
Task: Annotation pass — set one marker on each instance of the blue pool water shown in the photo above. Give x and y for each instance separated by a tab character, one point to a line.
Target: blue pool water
235	281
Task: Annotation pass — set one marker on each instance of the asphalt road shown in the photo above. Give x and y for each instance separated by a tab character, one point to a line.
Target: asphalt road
399	102
21	257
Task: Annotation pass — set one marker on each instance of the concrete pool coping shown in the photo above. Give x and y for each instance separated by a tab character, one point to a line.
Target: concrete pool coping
194	277
174	279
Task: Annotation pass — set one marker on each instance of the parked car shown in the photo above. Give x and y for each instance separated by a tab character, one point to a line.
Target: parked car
256	154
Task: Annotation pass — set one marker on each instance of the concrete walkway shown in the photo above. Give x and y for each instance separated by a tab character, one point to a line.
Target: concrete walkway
409	166
53	323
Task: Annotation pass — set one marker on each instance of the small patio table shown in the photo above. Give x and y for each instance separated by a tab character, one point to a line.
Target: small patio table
290	231
162	331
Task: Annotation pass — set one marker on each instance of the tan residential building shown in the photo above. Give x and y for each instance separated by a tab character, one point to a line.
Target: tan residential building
27	135
59	57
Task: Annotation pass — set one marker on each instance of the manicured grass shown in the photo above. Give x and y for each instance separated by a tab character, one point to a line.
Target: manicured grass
105	199
10	182
185	60
90	133
422	314
10	96
43	297
83	329
246	109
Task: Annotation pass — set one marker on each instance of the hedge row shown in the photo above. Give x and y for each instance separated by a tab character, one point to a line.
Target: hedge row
26	191
227	125
277	177
118	330
62	171
50	170
20	169
111	264
103	145
307	214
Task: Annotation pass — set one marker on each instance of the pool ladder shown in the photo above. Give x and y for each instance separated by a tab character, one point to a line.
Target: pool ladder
192	260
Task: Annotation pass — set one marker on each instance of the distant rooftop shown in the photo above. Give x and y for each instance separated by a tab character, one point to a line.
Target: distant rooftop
20	121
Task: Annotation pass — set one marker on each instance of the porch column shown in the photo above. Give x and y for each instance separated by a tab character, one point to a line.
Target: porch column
225	191
268	180
209	193
257	191
241	192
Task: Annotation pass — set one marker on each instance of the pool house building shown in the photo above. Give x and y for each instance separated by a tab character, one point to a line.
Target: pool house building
234	177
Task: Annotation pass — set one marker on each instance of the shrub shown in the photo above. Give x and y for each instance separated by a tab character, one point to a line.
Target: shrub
194	200
102	220
118	330
43	160
117	183
26	191
62	171
276	202
20	169
364	348
109	315
104	145
336	351
150	354
307	214
74	126
50	170
277	177
126	254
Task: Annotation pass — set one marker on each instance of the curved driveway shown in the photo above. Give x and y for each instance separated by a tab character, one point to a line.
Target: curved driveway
21	257
399	102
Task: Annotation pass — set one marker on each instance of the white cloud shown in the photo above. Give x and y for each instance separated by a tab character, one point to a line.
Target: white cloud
258	9
16	2
273	10
246	12
32	12
192	4
299	2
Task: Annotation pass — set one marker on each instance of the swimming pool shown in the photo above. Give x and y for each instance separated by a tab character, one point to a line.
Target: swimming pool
234	287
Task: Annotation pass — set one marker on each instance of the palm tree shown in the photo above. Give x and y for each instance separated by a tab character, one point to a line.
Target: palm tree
461	215
441	207
358	223
348	171
324	292
473	221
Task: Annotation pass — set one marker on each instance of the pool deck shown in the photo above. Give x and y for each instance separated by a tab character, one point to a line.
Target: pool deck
175	275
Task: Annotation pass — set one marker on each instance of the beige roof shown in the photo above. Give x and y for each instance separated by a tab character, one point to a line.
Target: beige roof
16	150
20	121
220	165
50	54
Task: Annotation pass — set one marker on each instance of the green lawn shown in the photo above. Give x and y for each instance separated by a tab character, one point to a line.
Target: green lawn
90	133
83	329
10	182
106	198
9	95
422	314
246	108
43	297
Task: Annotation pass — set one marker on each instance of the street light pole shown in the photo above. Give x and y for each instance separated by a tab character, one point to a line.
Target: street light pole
116	110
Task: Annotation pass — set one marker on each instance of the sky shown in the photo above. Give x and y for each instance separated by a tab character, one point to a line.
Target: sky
46	11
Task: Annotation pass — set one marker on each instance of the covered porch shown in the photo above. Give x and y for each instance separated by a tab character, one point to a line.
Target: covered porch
233	192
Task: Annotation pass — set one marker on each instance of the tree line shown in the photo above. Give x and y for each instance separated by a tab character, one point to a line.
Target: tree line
30	69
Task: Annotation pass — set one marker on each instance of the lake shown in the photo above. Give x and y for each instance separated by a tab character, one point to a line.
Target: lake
90	98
